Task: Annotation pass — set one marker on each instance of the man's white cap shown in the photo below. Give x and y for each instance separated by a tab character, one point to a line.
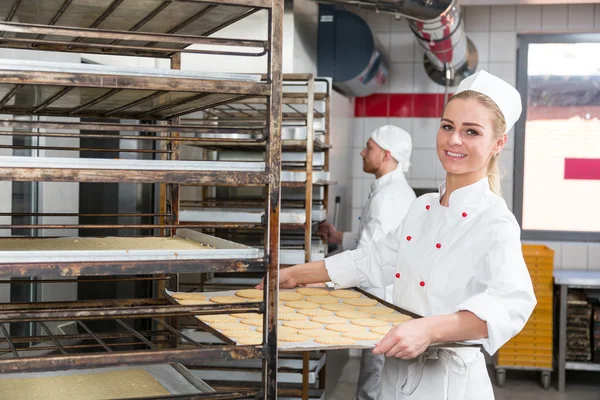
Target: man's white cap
506	97
395	140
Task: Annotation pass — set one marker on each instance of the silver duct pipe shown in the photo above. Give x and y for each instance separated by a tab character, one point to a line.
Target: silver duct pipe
439	28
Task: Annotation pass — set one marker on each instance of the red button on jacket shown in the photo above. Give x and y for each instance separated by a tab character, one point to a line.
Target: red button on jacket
422	283
397	275
439	246
409	238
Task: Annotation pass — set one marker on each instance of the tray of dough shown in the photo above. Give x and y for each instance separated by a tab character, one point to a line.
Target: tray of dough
309	318
103	383
187	245
289	216
123	164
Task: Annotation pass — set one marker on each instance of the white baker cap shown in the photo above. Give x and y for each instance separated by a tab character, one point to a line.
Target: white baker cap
395	140
506	97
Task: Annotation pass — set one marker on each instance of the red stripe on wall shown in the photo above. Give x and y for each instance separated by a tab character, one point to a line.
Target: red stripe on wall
582	168
417	105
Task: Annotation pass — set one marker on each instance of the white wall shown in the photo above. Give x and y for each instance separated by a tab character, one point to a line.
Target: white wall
493	29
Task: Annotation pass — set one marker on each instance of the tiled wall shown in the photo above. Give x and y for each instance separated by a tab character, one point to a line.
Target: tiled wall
414	102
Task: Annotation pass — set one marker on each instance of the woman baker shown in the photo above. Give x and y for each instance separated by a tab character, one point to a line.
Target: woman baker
456	259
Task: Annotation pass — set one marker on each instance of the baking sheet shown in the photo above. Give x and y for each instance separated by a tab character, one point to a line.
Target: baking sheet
48	66
166	374
221	249
124	164
300	176
294	346
289	216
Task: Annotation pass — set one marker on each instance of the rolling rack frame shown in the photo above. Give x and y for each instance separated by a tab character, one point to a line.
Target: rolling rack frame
107	35
249	111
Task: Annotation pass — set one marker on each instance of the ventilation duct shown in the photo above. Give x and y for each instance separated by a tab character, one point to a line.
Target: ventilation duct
439	29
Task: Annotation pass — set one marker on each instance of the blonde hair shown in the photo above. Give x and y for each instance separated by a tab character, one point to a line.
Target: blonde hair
499	123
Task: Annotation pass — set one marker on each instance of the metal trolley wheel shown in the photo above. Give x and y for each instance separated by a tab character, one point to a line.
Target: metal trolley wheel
500	377
546	379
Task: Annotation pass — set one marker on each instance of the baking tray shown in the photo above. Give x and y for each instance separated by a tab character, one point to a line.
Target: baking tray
289	216
125	164
300	176
222	249
175	378
48	66
311	345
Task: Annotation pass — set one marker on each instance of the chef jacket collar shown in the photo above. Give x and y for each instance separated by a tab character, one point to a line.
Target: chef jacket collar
467	195
395	175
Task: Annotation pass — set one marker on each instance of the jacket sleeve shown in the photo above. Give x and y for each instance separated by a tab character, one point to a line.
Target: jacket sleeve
508	299
372	265
350	240
386	215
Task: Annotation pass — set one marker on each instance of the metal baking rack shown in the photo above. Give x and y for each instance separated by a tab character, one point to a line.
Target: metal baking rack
72	98
234	214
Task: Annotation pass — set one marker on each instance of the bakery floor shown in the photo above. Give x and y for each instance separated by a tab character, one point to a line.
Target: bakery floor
520	385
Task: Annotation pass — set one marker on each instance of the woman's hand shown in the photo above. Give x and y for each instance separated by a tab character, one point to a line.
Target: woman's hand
407	340
286	280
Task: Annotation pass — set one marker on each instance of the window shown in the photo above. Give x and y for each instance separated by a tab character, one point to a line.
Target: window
557	139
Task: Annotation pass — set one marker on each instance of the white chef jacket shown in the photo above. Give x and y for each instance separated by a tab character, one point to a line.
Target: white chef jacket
441	260
389	201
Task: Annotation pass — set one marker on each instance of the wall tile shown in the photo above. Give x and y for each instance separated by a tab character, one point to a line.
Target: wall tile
401	104
507	164
481	40
554	18
574	256
378	22
529	18
400	25
358	129
423	164
402	78
506	71
425	132
503	18
424	183
557	247
507	192
594	257
580	17
357	171
427	106
359	107
503	47
405	123
377	105
357	193
384	39
477	18
402	47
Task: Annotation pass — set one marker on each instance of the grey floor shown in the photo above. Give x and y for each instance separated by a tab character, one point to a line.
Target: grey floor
520	385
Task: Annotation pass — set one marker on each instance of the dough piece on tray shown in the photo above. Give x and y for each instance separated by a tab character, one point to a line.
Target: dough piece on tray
303	304
363	301
292	317
383	330
329	320
345	294
338	307
193	302
188	296
314	312
216	318
247	316
368	322
352	314
323	299
302	325
345	328
312	291
293	337
228	299
250	293
252	322
230	326
251	339
394	317
376	310
290	296
320	332
281	330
